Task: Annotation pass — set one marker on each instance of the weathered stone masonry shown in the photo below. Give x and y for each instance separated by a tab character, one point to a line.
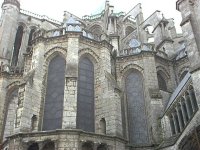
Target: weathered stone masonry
101	82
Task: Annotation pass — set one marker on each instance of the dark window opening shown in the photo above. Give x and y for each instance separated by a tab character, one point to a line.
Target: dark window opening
85	103
17	45
161	82
137	121
31	37
33	146
53	108
103	126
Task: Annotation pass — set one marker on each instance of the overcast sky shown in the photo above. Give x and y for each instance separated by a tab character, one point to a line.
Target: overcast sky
55	8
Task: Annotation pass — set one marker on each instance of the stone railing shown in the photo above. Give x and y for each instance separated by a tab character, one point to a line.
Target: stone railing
93	17
137	50
182	106
63	31
41	17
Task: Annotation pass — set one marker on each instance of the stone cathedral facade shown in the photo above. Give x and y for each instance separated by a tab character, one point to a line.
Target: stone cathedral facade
111	81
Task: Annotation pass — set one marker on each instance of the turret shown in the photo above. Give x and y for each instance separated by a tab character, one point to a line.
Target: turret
8	30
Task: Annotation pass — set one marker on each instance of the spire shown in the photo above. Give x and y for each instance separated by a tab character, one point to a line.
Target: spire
13	2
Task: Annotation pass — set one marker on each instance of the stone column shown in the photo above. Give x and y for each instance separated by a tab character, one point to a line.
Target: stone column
194	108
70	94
172	125
184	114
188	108
181	125
175	123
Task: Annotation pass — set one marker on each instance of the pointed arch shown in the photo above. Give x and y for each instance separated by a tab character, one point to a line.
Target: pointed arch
53	105
32	31
162	80
33	146
102	126
85	97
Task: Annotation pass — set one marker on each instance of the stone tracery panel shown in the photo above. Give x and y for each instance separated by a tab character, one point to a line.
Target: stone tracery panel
137	123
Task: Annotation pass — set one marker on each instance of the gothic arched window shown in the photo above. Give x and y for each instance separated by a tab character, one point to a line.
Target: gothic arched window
103	126
161	81
137	120
85	100
30	37
17	45
53	109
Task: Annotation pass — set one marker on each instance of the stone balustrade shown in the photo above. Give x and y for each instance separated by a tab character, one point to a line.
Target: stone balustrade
137	50
41	17
63	31
182	110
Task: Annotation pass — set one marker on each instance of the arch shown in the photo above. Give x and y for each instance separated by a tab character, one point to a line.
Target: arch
102	126
49	146
90	54
87	146
164	71
10	109
137	121
96	31
17	45
33	122
53	105
51	53
162	82
85	97
128	30
102	147
33	146
127	68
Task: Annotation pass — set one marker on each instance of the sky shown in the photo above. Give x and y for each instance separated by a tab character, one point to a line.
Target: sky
54	8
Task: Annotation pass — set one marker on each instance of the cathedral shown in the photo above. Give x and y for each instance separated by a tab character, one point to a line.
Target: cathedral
110	81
